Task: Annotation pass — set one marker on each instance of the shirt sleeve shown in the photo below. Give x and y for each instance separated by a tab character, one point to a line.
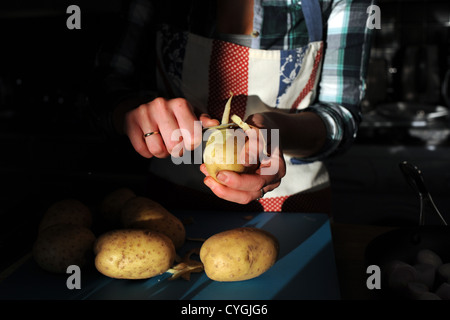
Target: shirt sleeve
342	84
123	67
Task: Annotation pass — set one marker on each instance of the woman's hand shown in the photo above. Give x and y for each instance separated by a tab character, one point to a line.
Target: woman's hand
175	122
244	187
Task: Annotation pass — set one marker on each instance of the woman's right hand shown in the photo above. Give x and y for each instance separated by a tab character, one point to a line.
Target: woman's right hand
173	119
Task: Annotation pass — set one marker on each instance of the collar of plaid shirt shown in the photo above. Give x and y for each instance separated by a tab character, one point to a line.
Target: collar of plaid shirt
277	24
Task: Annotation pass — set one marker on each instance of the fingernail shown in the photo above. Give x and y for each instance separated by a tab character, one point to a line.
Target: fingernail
222	176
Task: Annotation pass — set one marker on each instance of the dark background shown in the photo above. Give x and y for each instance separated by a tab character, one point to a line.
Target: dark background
49	149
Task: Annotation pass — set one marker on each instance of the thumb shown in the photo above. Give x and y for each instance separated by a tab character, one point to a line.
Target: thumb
249	156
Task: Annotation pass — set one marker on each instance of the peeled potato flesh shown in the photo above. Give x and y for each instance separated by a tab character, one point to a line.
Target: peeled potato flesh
222	150
222	153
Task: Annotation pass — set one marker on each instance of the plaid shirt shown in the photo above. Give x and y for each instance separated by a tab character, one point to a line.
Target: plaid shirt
281	25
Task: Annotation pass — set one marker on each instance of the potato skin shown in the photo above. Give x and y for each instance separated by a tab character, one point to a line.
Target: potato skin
62	245
67	211
142	212
239	254
133	254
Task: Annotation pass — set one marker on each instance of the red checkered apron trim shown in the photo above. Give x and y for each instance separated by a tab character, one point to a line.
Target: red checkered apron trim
311	81
317	201
228	72
273	204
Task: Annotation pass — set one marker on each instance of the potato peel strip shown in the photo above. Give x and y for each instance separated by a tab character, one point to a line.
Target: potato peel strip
227	110
244	126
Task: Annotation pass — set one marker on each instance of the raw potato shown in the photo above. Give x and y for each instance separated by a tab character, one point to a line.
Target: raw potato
133	254
401	276
62	245
112	204
67	211
222	150
239	254
222	153
425	274
426	280
443	291
426	256
142	212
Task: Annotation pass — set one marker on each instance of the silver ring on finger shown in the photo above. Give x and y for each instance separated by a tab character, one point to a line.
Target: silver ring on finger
262	194
148	134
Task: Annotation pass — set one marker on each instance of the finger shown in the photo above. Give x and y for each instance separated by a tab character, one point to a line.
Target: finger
233	195
274	165
190	128
138	122
133	129
254	147
137	141
203	169
207	121
155	145
243	181
167	127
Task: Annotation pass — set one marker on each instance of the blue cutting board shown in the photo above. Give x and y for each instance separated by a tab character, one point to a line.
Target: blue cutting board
305	268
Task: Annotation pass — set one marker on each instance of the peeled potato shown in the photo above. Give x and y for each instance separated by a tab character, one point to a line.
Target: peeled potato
67	211
222	153
239	254
112	204
142	212
133	254
62	245
222	150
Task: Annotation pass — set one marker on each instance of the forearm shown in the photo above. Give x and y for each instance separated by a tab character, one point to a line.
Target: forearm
123	77
300	135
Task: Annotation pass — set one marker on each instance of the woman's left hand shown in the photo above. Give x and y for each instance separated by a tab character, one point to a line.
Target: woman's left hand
245	187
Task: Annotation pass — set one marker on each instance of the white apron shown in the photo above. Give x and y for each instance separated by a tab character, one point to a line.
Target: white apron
204	71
